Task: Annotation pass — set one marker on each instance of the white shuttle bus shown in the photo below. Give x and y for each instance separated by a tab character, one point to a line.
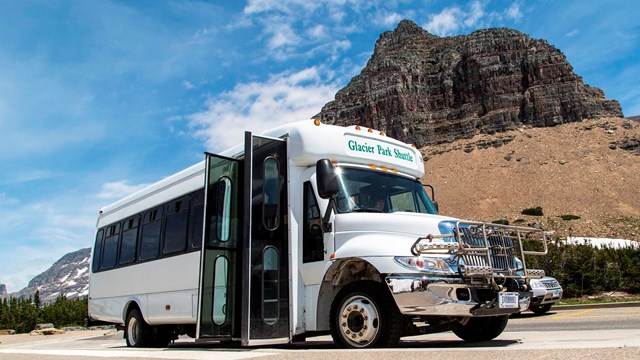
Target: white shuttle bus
304	230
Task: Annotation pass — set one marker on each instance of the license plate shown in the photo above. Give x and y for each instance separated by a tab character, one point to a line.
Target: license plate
556	292
508	300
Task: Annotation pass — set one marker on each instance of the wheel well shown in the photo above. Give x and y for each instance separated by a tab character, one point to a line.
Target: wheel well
341	273
131	305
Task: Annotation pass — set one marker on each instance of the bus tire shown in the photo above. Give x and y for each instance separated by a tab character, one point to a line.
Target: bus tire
482	328
362	316
136	330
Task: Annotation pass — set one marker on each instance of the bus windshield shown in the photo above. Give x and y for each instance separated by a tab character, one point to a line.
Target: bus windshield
364	190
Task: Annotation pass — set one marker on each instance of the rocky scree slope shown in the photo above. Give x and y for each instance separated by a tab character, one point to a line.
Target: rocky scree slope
587	169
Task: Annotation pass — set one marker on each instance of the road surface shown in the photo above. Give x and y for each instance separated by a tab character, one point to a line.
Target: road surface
600	333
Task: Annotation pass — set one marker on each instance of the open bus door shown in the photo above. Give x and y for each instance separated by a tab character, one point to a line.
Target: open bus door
245	262
220	288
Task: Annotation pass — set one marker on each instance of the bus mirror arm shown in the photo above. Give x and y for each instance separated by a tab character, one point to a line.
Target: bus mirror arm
433	196
326	220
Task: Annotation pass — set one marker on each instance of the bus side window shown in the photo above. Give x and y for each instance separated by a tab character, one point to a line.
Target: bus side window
197	215
271	192
150	238
110	252
129	242
223	208
176	224
312	238
270	285
97	252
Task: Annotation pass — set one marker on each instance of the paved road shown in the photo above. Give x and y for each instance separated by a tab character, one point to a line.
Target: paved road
577	334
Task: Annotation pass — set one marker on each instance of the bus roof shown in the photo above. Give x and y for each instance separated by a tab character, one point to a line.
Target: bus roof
310	141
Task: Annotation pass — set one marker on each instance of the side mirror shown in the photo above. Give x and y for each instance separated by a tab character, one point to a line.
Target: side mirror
326	179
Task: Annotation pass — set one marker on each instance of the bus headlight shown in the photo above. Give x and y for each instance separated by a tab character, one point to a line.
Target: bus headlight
424	264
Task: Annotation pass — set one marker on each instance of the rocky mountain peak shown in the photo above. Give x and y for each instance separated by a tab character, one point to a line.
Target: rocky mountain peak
425	89
3	291
68	276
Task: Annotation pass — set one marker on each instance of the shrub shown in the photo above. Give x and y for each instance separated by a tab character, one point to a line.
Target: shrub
536	211
569	217
501	222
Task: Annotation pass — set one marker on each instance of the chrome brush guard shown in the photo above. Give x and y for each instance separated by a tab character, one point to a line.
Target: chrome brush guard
484	250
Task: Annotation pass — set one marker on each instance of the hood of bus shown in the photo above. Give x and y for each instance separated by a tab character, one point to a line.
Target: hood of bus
376	234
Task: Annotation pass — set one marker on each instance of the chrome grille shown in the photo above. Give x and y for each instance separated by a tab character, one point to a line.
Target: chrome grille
497	252
551	284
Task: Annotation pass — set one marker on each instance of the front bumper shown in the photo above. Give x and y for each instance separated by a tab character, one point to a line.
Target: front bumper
441	296
546	296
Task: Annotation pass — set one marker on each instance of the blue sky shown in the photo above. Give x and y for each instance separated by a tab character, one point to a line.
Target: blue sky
99	98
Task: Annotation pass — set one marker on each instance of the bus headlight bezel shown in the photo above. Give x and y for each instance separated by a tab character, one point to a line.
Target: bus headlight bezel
422	264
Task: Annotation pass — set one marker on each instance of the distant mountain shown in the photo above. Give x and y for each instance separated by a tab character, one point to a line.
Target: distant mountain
68	276
3	291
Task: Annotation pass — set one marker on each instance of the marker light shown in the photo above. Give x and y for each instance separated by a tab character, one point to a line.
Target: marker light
413	146
381	133
332	256
373	166
316	122
370	130
358	127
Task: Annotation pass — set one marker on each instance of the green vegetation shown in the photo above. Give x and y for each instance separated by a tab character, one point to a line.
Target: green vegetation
23	315
536	211
501	222
569	217
597	300
585	270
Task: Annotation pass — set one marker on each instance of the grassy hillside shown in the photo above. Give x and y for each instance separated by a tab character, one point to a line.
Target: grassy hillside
589	170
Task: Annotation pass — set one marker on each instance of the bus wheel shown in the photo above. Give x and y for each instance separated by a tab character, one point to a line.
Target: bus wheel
362	317
136	330
482	328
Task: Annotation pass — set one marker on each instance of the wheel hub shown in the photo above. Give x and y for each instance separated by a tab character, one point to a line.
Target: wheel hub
359	320
132	330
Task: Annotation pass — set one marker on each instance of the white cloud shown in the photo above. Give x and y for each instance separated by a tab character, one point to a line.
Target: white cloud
388	19
285	6
572	33
475	14
33	235
281	35
256	106
454	20
187	85
513	12
118	190
446	22
317	32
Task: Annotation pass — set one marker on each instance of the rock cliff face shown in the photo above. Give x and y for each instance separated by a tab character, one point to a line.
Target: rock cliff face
3	291
68	276
426	89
